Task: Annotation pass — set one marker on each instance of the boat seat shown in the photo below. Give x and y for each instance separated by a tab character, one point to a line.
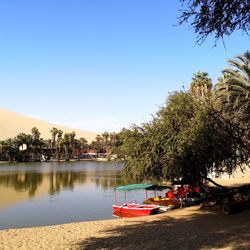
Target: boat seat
157	198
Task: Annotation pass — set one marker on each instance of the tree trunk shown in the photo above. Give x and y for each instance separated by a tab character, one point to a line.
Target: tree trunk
216	184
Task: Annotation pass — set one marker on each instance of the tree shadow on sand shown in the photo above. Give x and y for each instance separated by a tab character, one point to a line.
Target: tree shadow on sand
198	230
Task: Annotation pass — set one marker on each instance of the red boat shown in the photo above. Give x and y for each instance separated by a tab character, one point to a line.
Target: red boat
134	210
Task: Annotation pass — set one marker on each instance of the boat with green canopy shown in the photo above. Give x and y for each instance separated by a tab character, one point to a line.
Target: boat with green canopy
133	209
135	187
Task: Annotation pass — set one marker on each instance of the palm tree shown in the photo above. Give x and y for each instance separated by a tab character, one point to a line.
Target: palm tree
46	149
113	137
98	144
235	84
84	143
8	149
73	144
24	142
201	85
35	136
106	141
66	144
105	137
54	132
35	133
98	138
59	144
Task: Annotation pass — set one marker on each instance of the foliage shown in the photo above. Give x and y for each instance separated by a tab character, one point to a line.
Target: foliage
201	86
232	94
218	17
8	149
234	87
61	146
185	139
106	143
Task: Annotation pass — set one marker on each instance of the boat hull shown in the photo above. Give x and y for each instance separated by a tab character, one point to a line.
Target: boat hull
134	210
194	198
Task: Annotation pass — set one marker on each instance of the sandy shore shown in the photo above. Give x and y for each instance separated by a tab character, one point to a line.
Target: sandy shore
187	228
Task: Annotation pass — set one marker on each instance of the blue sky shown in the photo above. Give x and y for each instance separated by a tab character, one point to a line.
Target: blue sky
100	65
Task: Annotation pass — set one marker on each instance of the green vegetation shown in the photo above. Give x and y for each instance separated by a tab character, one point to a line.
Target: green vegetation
220	18
196	132
30	147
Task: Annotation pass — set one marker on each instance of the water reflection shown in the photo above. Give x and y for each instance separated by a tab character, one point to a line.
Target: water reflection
60	180
22	181
37	194
108	182
55	177
30	182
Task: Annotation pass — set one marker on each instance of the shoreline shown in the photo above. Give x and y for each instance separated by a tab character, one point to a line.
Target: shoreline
185	228
72	160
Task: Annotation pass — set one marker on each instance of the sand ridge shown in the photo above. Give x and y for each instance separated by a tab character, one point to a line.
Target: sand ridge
11	124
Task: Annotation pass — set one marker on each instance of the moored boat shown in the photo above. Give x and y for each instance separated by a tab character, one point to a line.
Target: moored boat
193	198
134	210
160	201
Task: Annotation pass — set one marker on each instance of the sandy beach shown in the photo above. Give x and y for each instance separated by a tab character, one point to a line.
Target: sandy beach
186	228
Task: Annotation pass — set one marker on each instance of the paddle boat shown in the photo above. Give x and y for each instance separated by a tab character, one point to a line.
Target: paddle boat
133	209
162	201
168	202
194	198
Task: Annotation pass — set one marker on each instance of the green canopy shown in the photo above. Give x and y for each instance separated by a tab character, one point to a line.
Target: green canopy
134	187
158	188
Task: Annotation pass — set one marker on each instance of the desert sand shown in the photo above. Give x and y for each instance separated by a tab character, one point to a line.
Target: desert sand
186	228
11	124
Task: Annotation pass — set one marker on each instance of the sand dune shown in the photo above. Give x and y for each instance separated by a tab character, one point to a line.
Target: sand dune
11	124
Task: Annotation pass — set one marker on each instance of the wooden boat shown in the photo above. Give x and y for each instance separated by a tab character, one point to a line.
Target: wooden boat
134	210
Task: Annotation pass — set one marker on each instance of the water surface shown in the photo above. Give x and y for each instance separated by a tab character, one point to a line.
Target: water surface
48	193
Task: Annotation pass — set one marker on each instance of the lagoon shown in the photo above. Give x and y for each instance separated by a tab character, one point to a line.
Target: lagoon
48	193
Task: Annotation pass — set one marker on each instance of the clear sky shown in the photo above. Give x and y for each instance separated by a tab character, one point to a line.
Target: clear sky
100	65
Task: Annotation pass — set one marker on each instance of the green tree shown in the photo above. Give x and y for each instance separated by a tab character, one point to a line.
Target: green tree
235	84
54	132
78	148
217	17
8	149
97	144
73	144
68	143
113	138
59	144
201	86
114	146
185	139
84	143
105	138
36	143
24	143
84	146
